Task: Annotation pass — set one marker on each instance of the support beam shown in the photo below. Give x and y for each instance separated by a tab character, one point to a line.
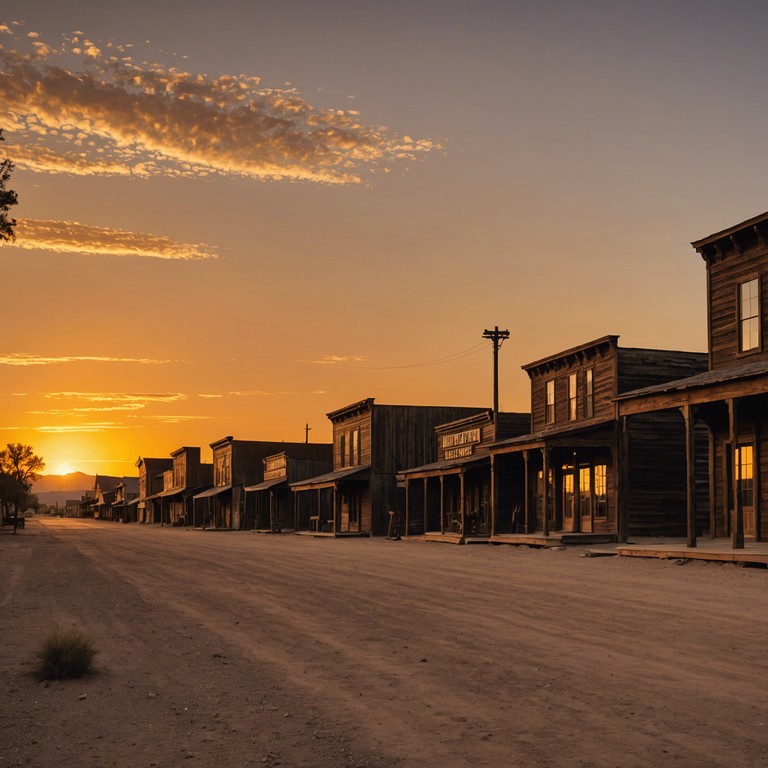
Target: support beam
529	525
545	457
737	526
690	474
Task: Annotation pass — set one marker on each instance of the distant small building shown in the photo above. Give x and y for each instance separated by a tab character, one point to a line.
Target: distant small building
269	504
150	487
236	465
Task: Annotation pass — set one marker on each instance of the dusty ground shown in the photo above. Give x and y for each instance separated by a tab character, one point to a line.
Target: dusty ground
238	649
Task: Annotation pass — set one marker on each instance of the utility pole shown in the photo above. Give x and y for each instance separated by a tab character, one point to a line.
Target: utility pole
307	428
498	338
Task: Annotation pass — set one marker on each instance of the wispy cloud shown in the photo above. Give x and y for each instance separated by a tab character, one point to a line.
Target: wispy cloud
70	428
335	360
73	237
124	398
257	393
85	107
24	358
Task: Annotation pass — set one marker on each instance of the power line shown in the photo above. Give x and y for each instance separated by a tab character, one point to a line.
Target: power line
473	350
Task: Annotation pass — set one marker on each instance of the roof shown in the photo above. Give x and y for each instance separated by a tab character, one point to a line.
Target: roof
553	433
265	485
754	221
215	491
610	340
331	477
744	371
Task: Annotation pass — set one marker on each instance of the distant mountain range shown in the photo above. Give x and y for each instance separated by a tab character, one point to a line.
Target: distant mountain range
58	489
74	481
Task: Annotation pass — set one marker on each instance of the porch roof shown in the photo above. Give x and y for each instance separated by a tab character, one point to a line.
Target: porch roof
438	467
329	478
704	387
215	491
266	485
582	431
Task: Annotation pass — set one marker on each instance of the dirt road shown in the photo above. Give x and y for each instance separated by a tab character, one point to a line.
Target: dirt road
239	649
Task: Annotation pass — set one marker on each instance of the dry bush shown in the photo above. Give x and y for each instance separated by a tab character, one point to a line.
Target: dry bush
65	653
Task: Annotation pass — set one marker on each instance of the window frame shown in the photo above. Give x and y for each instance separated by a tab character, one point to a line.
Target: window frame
573	396
549	402
743	319
589	393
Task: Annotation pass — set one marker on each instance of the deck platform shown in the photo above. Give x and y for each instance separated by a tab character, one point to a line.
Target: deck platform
713	550
559	539
452	538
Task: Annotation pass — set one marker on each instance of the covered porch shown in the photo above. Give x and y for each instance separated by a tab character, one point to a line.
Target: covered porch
334	504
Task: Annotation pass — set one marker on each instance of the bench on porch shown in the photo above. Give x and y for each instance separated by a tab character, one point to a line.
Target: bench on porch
9	520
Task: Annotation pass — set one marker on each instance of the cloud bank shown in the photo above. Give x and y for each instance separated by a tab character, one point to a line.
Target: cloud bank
84	107
73	237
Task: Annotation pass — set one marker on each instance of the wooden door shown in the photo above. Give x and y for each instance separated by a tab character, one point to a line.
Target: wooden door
744	465
585	498
569	498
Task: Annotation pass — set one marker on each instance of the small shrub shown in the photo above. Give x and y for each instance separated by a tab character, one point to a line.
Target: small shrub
65	653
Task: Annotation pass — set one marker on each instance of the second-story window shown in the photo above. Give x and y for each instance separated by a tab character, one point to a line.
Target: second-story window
749	315
550	410
589	394
572	383
354	448
343	449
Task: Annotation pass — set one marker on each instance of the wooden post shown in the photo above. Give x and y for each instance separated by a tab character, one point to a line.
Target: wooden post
527	502
425	502
712	484
545	489
737	527
462	506
757	493
690	474
620	455
442	504
494	495
337	510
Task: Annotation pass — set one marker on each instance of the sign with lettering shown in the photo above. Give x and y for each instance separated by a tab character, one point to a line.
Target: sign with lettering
275	468
468	437
458	453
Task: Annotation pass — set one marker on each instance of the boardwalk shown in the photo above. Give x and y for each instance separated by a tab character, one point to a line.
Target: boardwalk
237	649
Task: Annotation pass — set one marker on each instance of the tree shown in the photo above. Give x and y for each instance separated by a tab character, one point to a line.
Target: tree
7	198
19	468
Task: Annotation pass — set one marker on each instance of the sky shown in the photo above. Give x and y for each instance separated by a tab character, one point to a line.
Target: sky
236	217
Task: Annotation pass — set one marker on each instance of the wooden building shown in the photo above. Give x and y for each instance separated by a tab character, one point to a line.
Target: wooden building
150	487
236	465
450	498
103	496
730	400
126	492
187	477
371	444
578	472
270	503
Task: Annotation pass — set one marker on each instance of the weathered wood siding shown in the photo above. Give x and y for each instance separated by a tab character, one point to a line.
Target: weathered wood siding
604	389
639	368
735	261
342	438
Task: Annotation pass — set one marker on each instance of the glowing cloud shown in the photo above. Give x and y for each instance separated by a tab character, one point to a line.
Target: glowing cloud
72	237
23	358
126	398
87	107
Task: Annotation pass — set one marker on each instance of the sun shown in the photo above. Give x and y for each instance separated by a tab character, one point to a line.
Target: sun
62	468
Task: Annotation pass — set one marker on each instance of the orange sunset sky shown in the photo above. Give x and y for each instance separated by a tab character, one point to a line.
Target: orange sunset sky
236	217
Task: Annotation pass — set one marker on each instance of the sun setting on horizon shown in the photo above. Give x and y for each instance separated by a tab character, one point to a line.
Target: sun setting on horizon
330	202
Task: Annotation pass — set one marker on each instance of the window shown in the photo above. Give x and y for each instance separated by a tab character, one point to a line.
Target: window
600	490
354	448
343	449
744	458
572	412
589	394
749	316
550	414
